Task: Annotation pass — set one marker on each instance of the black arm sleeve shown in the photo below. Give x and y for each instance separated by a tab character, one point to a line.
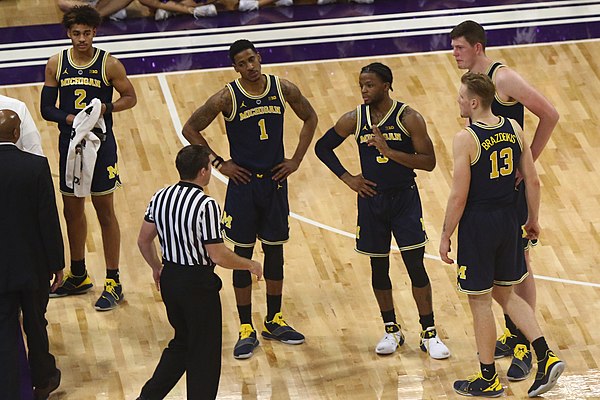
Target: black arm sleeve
48	105
324	150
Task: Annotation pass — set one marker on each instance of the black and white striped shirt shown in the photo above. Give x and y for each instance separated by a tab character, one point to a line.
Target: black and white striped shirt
186	219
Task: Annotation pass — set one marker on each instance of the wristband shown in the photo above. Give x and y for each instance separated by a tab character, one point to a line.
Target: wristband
109	108
217	162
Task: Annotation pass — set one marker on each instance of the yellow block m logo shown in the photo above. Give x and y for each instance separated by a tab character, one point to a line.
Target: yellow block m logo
226	220
113	171
462	272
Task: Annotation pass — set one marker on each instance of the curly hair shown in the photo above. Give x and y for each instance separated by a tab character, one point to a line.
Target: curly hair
81	15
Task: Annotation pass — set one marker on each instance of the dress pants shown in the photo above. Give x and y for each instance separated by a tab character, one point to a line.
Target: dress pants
191	297
10	383
41	362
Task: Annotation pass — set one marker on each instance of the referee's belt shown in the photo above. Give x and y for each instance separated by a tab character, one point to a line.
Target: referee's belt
198	266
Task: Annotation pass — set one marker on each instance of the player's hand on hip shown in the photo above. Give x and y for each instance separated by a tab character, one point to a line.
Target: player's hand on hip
235	172
445	245
256	269
362	186
284	169
518	178
533	230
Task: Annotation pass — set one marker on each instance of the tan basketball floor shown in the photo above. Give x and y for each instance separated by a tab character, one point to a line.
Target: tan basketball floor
327	292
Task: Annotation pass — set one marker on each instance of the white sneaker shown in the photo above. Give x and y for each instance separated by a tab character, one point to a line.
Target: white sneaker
119	15
322	2
161	15
248	5
433	345
391	340
208	10
284	3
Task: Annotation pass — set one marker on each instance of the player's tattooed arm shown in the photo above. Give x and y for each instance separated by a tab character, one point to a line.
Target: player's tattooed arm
220	102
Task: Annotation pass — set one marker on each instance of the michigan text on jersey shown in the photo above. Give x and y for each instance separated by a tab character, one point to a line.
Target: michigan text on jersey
260	110
394	136
80	81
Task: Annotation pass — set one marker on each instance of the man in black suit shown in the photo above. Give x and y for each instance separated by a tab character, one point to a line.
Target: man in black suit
31	253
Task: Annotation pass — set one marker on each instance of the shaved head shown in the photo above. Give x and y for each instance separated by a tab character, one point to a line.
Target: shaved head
9	126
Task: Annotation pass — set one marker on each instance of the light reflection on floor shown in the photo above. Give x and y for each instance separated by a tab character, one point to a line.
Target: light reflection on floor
576	387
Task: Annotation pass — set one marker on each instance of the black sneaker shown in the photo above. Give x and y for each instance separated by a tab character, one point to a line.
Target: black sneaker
72	284
111	296
278	329
246	343
520	367
549	369
505	344
477	385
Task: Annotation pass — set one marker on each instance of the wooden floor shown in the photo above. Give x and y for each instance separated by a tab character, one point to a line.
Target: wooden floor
327	292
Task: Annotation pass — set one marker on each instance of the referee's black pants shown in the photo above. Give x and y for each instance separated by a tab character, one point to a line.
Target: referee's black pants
191	297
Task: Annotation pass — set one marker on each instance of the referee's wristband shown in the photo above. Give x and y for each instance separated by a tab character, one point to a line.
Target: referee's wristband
109	108
217	162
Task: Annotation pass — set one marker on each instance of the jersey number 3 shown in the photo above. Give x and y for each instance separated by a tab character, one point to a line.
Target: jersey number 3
506	155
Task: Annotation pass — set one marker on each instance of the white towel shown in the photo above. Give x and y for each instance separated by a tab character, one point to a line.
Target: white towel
83	148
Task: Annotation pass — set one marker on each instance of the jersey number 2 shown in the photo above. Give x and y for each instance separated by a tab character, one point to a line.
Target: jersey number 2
79	104
506	154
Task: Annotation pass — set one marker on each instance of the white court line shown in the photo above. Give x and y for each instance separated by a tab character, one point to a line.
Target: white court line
178	128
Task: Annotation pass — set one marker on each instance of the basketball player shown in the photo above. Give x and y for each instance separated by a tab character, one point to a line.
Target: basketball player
487	155
513	94
256	204
79	74
392	142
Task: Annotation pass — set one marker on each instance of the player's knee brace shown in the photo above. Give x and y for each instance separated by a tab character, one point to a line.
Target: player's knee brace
242	279
380	273
413	259
273	268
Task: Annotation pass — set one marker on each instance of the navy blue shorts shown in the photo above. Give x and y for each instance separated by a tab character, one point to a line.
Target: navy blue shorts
521	199
258	209
106	172
396	212
489	250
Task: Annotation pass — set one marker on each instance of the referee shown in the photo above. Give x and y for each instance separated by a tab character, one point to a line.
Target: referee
187	223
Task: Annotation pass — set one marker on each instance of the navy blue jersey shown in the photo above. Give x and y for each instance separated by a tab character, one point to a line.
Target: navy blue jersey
512	109
255	126
79	84
493	170
387	173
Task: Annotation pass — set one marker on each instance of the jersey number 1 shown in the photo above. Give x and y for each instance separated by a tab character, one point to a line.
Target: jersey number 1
263	130
506	154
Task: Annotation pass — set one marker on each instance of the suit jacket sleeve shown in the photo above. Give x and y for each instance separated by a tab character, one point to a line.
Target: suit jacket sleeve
49	222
